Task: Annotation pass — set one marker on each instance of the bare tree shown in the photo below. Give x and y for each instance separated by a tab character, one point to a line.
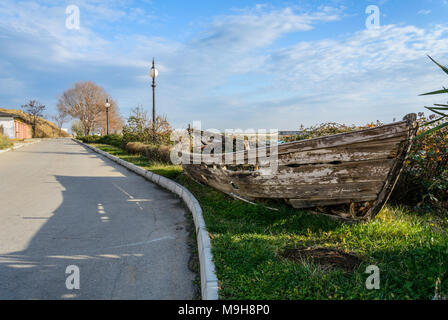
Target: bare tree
34	111
85	101
59	119
115	120
139	118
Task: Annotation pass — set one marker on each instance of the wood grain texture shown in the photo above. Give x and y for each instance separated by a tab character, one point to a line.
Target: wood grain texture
352	167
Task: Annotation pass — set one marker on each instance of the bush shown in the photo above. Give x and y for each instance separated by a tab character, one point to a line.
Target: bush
89	139
78	128
140	129
112	139
159	153
156	153
136	148
424	180
327	129
147	135
4	142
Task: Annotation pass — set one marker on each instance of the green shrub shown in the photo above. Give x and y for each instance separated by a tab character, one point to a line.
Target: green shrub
424	180
112	139
4	142
78	129
155	153
140	129
89	139
148	135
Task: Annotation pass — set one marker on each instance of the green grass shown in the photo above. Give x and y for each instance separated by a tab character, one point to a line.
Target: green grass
410	249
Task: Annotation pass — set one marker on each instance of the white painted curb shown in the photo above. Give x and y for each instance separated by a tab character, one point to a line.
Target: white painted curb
19	146
209	281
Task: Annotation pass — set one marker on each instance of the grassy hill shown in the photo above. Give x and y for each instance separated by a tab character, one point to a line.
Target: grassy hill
44	128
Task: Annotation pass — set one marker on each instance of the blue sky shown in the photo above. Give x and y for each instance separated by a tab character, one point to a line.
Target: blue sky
230	64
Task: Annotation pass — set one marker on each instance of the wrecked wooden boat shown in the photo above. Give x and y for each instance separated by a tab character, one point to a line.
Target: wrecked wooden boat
356	171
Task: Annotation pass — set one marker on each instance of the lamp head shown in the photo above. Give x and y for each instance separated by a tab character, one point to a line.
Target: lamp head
153	72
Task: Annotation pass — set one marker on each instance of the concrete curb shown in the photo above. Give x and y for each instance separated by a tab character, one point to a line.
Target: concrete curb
19	146
209	281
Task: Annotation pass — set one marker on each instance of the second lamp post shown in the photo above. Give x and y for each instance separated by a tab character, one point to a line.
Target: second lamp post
107	105
153	73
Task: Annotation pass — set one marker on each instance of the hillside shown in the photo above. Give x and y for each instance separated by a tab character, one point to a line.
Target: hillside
44	128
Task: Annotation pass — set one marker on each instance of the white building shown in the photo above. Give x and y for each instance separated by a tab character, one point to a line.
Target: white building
14	127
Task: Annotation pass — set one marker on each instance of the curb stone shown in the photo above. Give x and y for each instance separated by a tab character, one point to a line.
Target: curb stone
19	146
209	281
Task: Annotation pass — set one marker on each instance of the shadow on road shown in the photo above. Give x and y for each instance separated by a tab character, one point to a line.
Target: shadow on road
127	237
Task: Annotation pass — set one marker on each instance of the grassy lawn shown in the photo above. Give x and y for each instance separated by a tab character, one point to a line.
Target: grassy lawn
410	249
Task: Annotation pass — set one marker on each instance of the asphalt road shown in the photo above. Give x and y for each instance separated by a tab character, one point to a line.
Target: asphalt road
62	205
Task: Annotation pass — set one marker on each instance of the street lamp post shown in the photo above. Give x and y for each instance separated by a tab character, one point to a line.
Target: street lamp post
107	105
153	73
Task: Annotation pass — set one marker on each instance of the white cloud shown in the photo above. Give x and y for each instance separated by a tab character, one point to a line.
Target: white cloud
258	28
386	50
372	73
424	12
231	74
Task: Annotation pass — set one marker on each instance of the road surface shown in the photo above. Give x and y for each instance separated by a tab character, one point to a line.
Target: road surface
62	205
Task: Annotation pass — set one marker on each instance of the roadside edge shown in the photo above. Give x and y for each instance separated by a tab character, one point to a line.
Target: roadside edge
19	146
209	280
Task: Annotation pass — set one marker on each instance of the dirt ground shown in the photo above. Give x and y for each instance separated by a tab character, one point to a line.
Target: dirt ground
327	258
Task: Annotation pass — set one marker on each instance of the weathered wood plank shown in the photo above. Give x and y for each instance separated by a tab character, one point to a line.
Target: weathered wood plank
394	173
314	144
288	149
300	203
308	180
354	152
346	168
350	190
369	170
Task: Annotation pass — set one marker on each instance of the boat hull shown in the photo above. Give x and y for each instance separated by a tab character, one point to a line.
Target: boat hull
359	167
